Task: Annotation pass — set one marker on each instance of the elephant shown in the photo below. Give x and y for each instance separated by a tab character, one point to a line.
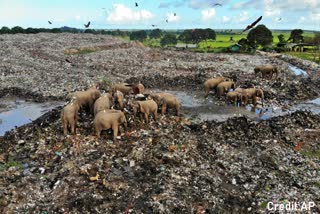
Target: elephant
253	93
212	84
138	89
118	98
102	103
109	119
87	97
165	101
145	107
69	116
266	71
224	87
125	88
234	97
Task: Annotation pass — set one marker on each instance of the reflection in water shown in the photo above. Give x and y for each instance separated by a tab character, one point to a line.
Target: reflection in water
19	112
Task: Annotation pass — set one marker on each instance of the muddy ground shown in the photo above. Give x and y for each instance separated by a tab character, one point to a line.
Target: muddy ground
173	165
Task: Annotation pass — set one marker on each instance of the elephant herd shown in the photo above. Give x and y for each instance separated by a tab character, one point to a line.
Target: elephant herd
241	96
108	108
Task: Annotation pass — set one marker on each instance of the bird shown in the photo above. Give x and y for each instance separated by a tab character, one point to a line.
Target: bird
49	22
252	24
279	19
136	4
175	14
217	4
167	20
154	25
87	25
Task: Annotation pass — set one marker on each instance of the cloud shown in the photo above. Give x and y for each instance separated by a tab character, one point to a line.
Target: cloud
124	15
173	18
244	16
247	4
208	14
270	9
225	19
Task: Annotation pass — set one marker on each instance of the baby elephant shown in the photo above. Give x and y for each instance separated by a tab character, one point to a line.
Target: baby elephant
109	119
145	107
102	103
212	84
118	98
253	93
69	116
166	100
224	87
234	97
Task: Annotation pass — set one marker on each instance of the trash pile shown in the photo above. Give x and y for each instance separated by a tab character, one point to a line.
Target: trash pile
171	165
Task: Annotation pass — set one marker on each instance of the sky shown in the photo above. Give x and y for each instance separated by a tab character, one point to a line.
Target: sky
181	14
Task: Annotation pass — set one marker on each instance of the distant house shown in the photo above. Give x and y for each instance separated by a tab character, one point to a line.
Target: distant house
182	46
297	47
235	47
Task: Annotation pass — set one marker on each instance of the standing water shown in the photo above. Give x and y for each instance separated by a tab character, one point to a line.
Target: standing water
17	112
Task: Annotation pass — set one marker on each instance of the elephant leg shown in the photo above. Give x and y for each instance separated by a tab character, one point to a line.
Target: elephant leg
72	125
164	109
206	92
146	117
178	109
155	114
115	129
65	127
98	131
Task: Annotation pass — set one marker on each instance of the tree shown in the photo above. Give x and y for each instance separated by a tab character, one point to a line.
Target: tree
186	36
168	39
155	34
260	35
211	34
139	35
5	30
296	36
281	38
17	29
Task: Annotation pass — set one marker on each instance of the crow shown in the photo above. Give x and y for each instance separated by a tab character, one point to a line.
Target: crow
253	24
217	4
154	25
49	22
87	25
136	4
174	14
167	20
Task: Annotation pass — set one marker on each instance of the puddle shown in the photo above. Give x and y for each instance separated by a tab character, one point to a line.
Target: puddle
297	71
16	112
196	107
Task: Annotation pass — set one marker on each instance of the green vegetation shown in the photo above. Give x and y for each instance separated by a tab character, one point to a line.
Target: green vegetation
312	154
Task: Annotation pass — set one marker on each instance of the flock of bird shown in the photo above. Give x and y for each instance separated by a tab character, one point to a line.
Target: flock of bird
214	4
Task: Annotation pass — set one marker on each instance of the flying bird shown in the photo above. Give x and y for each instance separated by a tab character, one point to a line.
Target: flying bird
136	4
175	14
253	24
154	25
217	4
87	25
279	19
49	22
167	20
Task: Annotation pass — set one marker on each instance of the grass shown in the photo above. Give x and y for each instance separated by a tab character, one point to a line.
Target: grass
312	154
304	55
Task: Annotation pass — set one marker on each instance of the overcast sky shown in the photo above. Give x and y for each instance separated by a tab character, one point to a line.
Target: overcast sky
122	14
